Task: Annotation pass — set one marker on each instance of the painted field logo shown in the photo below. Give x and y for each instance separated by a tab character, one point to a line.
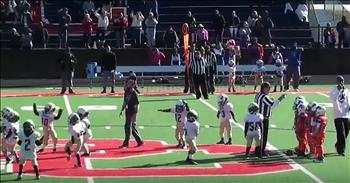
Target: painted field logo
154	159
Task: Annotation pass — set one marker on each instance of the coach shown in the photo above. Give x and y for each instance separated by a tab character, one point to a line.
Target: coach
341	106
131	106
68	63
265	108
108	65
293	67
198	73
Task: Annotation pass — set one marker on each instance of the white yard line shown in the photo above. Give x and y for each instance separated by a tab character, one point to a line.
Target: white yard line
68	107
90	180
292	163
88	164
323	94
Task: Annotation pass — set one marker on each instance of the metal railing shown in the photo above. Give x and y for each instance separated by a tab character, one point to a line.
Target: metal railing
337	9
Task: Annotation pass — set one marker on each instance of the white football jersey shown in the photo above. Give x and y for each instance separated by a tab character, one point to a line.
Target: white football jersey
14	128
28	145
191	130
88	132
253	121
232	64
77	130
47	119
225	112
180	117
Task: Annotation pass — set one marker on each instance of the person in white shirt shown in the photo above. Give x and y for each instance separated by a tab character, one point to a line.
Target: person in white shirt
226	117
175	58
232	71
253	128
136	28
10	130
102	24
302	12
151	23
341	106
191	134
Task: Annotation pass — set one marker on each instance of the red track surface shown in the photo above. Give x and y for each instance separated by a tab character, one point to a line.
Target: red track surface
56	164
172	93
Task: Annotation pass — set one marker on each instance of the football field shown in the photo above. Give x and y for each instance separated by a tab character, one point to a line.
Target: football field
158	160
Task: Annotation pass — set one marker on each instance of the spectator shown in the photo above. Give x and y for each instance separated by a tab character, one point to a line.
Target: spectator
15	39
302	12
218	25
293	67
102	24
276	55
175	58
170	38
244	34
108	66
120	24
151	6
11	10
151	23
64	21
202	36
266	25
68	63
341	32
3	12
288	8
329	37
234	24
290	15
191	22
89	6
25	17
347	37
136	28
219	53
41	36
255	51
87	27
23	8
252	19
27	41
157	57
107	7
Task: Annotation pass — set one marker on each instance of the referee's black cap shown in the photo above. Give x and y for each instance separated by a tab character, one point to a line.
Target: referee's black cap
265	85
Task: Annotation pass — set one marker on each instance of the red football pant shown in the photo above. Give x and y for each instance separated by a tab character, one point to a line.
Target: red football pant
311	143
318	143
302	141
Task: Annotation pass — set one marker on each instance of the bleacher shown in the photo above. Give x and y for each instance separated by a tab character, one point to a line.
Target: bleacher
173	12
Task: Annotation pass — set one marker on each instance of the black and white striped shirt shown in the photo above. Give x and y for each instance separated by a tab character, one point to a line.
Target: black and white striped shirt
265	104
211	60
197	66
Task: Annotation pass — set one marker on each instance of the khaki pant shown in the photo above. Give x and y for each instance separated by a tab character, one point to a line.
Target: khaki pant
106	75
259	80
192	145
49	131
34	161
179	132
225	126
256	135
278	81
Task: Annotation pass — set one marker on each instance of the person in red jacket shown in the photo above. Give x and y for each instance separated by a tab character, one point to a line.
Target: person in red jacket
255	50
87	27
319	132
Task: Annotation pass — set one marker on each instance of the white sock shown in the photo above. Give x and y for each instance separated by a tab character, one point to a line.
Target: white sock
190	156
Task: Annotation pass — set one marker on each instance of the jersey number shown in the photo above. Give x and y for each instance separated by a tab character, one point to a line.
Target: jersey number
44	121
223	113
178	117
253	127
26	144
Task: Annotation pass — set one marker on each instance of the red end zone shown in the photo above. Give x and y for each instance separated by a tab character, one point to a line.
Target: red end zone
56	164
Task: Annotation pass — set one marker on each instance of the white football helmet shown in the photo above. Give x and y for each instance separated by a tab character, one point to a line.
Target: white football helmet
297	101
13	117
301	108
311	105
320	111
253	108
314	108
259	63
231	63
83	112
222	100
73	118
180	106
278	62
5	111
192	115
49	107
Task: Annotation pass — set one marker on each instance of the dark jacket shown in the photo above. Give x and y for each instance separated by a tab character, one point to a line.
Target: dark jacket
170	39
68	62
219	22
340	28
109	61
40	37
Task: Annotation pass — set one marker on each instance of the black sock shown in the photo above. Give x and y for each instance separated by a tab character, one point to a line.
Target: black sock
247	149
222	139
78	159
275	88
281	88
229	139
68	151
36	169
20	171
259	151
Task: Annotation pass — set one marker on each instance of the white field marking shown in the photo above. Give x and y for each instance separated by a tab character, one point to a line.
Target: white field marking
98	152
328	105
323	94
91	95
163	143
206	126
65	128
99	107
273	125
90	180
292	163
88	164
173	126
30	108
141	127
107	127
68	107
9	168
40	128
217	165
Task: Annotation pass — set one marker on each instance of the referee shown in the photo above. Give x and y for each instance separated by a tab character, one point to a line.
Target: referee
210	69
198	74
265	107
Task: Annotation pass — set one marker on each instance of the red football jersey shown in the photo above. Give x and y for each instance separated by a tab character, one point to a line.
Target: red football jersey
320	127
